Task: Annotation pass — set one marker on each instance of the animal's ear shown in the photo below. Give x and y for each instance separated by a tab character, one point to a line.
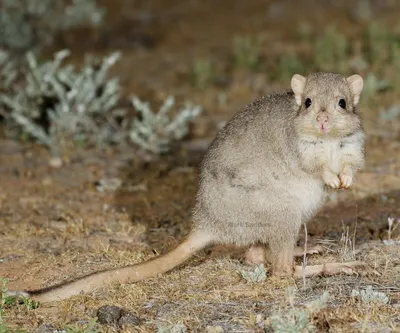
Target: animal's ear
356	85
298	82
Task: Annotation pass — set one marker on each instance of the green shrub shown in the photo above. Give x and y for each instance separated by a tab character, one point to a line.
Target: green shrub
331	51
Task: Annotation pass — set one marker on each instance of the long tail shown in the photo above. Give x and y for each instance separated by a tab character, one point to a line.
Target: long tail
193	243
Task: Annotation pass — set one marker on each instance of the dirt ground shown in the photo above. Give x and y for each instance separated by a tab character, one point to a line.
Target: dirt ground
58	224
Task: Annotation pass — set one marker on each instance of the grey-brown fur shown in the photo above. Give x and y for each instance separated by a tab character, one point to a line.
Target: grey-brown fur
265	174
262	176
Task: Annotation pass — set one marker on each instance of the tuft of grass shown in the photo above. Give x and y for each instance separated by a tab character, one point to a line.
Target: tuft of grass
331	51
392	226
202	74
372	86
347	251
9	301
305	31
288	65
247	51
377	43
395	55
390	113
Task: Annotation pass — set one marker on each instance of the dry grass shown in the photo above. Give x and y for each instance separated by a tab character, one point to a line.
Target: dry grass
207	291
55	226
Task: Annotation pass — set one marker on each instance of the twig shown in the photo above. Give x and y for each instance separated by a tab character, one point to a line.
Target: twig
304	263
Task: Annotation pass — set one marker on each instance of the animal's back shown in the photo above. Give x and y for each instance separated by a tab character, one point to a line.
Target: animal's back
261	129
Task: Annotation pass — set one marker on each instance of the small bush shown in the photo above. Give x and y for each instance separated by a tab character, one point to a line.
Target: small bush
55	104
377	42
288	65
155	131
331	51
373	85
247	51
202	73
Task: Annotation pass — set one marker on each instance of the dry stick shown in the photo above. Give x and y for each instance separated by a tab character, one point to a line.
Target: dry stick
390	223
354	234
304	263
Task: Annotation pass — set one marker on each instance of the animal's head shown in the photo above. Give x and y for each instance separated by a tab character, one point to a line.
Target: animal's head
327	103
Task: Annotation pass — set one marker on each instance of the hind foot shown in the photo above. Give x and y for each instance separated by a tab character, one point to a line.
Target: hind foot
311	249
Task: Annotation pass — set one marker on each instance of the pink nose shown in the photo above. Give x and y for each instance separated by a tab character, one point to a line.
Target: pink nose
322	118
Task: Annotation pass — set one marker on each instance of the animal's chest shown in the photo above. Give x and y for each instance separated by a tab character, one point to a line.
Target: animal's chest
322	152
331	153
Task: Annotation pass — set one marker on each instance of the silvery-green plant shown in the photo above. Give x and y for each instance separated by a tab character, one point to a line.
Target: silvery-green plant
370	296
373	85
297	320
154	132
91	327
29	24
259	274
8	70
173	328
390	113
52	103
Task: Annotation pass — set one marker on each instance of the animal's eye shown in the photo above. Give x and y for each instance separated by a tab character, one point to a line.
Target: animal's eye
307	103
342	103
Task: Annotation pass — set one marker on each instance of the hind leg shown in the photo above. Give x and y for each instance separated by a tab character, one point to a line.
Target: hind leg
282	258
282	241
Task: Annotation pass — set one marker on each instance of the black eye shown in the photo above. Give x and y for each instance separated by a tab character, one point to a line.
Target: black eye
342	103
307	103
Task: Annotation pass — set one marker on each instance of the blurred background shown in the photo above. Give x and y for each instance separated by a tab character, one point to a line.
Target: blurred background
205	59
106	109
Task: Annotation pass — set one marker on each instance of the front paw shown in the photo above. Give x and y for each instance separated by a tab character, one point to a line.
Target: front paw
331	179
345	180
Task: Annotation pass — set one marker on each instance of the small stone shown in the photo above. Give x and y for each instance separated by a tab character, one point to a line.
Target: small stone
109	314
108	184
56	162
59	225
47	181
128	319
